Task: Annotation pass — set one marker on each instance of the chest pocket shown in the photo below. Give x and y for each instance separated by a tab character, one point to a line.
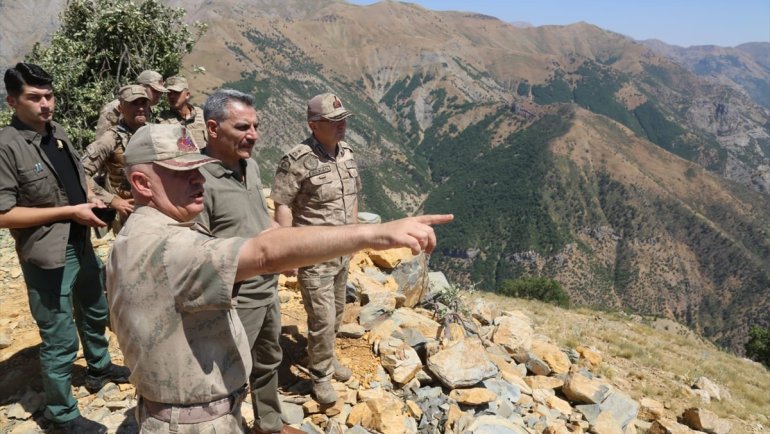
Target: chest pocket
325	187
350	181
37	188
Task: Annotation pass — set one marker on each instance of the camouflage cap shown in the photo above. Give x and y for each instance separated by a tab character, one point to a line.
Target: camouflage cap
326	106
176	83
152	79
132	92
166	145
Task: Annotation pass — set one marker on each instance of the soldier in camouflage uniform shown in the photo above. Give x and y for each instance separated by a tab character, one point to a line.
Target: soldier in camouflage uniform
317	184
105	155
109	114
182	112
171	285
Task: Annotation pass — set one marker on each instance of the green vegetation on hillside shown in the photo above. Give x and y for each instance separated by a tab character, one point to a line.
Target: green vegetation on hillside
596	92
658	129
555	91
758	346
498	200
102	45
535	288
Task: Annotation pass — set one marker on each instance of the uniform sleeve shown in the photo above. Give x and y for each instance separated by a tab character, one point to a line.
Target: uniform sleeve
9	183
201	270
94	160
287	182
107	119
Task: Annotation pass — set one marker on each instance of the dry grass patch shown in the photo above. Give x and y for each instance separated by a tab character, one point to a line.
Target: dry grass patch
658	363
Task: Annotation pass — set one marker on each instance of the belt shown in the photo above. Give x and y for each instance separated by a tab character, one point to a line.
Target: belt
194	413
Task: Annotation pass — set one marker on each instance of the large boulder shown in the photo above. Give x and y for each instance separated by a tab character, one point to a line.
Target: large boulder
583	390
708	386
513	333
400	360
412	279
552	355
474	396
409	319
385	415
703	420
462	365
390	259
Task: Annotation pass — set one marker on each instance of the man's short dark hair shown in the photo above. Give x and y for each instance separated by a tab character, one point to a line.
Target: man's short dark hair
216	106
25	73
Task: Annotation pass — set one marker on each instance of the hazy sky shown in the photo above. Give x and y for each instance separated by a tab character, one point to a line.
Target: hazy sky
679	22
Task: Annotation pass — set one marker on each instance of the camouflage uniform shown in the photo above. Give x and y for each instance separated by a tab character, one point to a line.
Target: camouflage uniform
195	125
170	289
320	190
108	117
105	157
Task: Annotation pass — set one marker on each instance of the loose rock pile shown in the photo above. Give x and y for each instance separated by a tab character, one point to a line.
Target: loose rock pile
443	367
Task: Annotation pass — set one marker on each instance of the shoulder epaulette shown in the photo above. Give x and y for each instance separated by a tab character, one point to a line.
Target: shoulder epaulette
299	151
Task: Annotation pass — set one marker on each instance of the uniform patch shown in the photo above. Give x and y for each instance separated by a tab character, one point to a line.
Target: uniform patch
311	163
59	144
323	169
284	165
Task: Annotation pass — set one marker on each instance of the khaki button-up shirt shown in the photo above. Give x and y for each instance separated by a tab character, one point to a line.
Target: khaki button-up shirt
320	189
169	287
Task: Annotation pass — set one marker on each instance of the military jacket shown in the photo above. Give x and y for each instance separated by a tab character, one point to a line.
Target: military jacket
28	179
169	287
195	125
105	157
237	209
319	189
108	117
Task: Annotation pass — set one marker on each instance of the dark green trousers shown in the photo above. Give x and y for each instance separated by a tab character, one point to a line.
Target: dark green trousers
67	302
263	328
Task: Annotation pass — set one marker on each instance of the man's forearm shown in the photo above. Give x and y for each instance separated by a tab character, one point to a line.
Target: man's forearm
24	217
286	248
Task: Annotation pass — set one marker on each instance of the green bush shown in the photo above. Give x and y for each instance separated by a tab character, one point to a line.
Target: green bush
758	346
535	288
104	44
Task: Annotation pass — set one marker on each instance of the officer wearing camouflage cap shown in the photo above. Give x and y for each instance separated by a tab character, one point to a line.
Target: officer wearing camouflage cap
110	113
171	285
105	155
181	112
317	184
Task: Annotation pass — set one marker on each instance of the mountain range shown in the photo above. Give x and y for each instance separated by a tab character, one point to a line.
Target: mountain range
636	174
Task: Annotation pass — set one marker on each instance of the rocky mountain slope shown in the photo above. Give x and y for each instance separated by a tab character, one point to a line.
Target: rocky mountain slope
746	66
458	361
565	151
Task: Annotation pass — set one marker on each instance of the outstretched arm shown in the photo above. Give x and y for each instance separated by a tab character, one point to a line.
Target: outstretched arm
286	248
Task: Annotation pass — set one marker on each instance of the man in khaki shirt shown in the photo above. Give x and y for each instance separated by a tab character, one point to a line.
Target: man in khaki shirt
171	285
317	184
182	112
105	155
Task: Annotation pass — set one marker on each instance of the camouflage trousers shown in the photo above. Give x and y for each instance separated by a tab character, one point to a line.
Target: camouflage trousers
323	295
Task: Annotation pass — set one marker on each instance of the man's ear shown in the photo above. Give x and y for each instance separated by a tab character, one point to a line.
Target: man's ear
140	183
211	128
11	101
